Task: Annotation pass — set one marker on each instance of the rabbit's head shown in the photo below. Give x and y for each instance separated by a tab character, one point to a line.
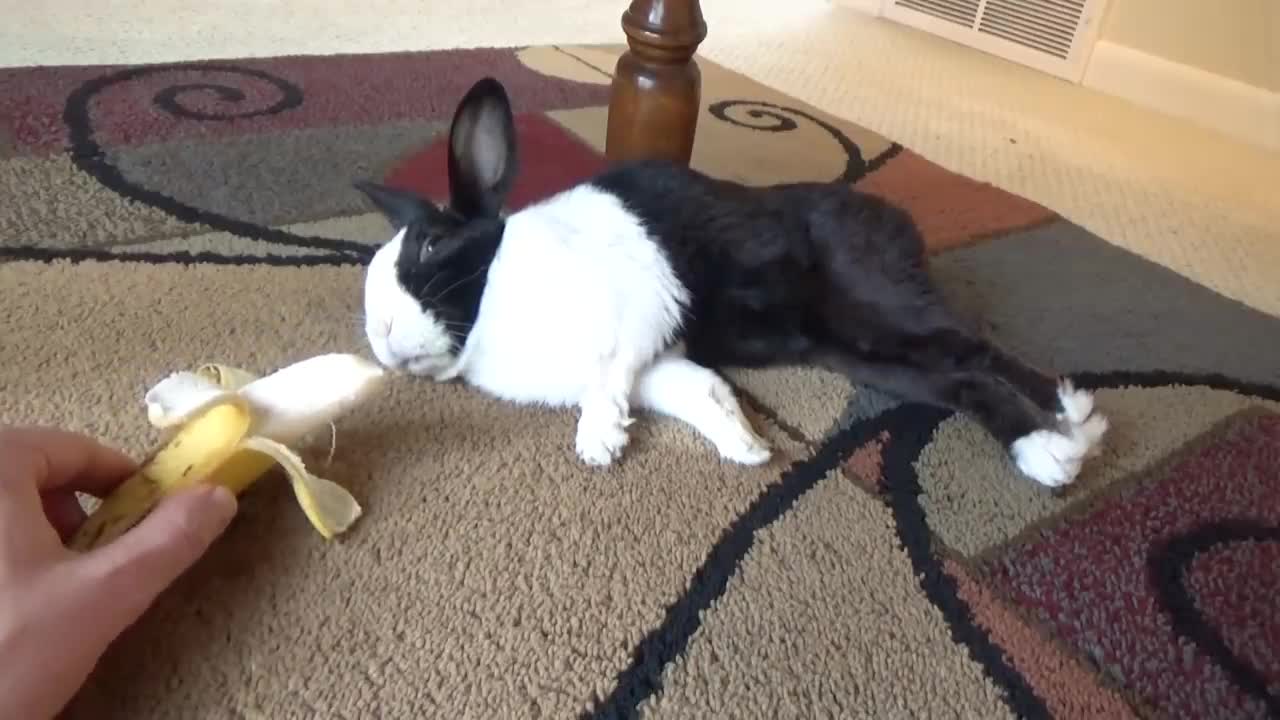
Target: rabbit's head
422	289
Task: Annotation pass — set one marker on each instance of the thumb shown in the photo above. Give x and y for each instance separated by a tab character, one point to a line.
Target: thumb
128	574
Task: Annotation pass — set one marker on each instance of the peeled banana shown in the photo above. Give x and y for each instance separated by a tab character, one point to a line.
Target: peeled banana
229	426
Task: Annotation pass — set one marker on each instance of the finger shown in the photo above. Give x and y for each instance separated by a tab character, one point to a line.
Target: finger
64	512
131	571
56	458
32	536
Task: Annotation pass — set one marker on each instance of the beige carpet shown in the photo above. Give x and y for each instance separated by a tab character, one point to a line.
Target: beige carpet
884	565
880	568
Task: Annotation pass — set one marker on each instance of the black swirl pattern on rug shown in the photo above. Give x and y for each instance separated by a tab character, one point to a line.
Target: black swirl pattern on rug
643	676
91	158
170	98
1167	567
911	428
779	120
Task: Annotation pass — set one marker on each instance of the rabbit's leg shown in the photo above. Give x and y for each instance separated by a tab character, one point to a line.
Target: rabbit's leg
961	353
953	349
896	333
1050	450
605	412
680	388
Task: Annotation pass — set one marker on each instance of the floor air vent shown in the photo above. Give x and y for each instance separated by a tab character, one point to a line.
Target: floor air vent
1054	36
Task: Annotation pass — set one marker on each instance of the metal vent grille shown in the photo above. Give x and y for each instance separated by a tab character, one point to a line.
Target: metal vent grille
1051	35
1049	26
960	12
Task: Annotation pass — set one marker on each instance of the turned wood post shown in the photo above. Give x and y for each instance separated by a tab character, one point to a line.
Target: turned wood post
657	86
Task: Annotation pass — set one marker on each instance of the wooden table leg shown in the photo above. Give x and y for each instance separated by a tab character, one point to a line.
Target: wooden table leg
657	86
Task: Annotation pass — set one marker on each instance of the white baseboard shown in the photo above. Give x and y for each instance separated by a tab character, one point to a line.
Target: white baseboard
1238	109
870	7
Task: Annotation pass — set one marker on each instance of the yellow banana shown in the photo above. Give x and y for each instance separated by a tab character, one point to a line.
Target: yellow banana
229	427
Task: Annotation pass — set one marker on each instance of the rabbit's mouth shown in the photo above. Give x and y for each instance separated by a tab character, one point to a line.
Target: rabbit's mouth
413	362
434	366
412	342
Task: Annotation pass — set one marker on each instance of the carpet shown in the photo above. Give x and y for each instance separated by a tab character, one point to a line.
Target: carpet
888	562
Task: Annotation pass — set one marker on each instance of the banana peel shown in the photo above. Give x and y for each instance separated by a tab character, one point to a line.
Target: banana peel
229	426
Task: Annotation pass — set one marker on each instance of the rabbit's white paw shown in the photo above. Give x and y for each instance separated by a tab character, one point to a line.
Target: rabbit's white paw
747	448
601	440
1054	458
737	441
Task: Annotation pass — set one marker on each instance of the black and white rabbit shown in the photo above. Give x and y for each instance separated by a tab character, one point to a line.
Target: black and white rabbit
626	289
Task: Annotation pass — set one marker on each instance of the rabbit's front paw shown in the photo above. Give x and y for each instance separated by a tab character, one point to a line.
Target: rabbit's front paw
736	439
746	447
600	441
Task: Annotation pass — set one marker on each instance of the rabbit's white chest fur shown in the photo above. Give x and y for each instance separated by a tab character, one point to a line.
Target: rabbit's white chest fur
576	286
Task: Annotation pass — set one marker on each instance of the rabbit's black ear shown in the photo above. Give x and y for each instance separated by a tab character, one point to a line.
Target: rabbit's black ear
398	206
482	150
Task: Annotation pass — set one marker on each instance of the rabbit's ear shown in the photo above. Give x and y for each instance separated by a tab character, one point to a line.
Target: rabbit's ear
482	151
399	207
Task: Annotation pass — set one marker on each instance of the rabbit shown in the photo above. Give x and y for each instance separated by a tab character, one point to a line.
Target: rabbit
631	288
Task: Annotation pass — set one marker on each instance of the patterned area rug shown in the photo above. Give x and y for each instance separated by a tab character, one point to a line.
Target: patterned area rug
888	563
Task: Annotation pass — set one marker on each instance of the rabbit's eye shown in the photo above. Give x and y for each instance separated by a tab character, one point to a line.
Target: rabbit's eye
425	248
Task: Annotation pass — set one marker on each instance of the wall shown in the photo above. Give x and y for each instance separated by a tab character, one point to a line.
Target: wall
1213	62
1238	39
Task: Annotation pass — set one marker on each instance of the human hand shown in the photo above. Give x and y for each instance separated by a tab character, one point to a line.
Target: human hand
59	609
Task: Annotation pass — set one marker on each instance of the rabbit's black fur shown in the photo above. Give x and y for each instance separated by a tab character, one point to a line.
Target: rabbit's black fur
818	273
